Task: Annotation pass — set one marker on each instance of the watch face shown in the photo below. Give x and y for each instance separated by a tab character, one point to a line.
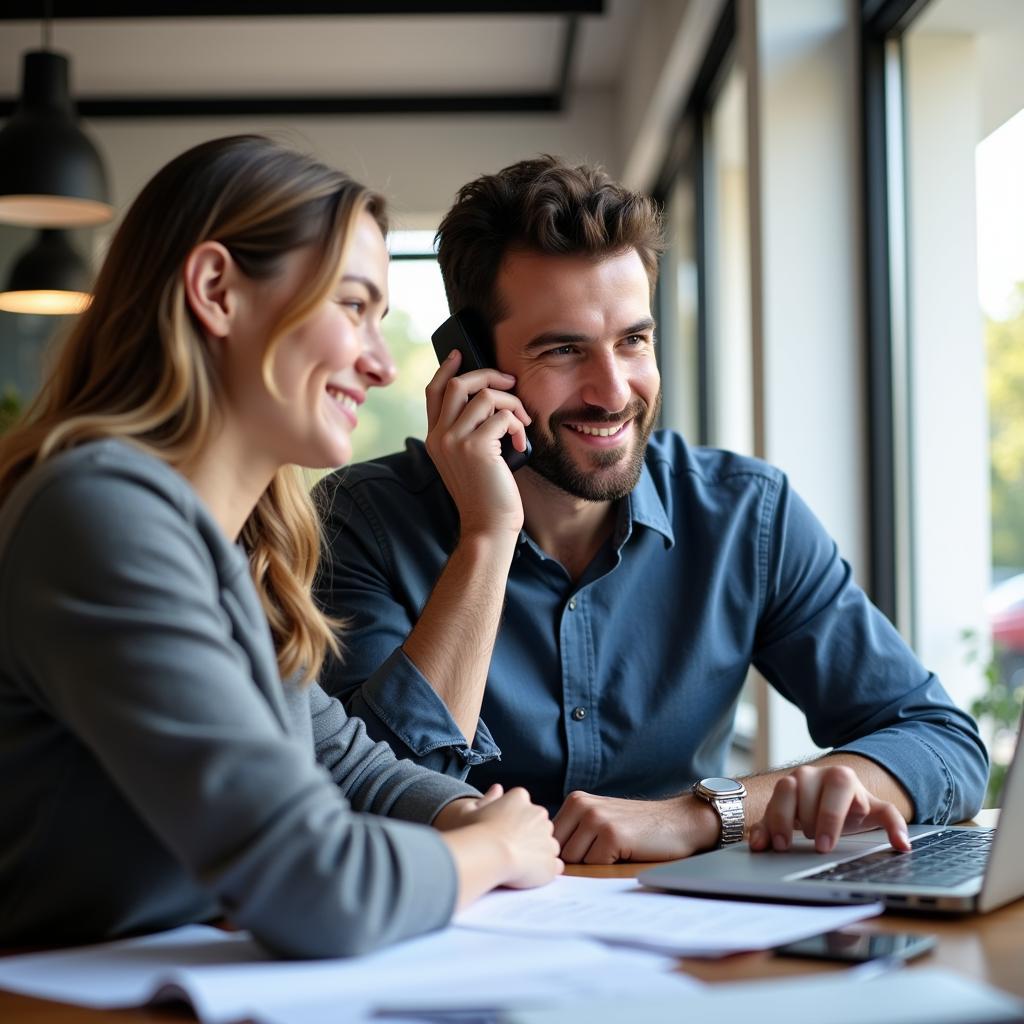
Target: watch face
722	787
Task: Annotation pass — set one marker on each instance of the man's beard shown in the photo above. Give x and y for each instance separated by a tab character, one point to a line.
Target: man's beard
616	471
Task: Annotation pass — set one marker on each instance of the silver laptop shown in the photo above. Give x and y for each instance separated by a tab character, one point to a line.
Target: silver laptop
953	869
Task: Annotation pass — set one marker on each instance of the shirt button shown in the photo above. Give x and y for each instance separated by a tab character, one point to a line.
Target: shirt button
572	604
579	714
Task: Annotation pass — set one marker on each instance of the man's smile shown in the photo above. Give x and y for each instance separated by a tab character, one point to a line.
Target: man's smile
611	433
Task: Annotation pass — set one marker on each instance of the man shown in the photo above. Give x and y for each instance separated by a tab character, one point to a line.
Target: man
584	627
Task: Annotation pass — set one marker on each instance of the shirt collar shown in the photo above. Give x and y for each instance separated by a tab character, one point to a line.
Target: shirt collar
643	506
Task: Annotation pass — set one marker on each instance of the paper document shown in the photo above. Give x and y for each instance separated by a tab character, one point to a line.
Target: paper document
228	977
913	996
621	910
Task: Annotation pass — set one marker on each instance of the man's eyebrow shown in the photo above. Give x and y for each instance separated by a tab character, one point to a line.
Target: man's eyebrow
556	338
640	327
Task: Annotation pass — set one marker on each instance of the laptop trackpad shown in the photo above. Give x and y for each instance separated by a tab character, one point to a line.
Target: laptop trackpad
737	870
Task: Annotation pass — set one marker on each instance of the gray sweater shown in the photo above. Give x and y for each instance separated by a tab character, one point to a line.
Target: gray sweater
155	769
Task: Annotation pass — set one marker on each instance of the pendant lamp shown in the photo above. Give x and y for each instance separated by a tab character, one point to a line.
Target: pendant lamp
48	278
51	174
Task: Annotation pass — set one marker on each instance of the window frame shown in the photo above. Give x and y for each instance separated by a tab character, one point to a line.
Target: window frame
687	155
890	506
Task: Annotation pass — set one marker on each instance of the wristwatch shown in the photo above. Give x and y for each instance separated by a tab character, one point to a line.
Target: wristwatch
727	797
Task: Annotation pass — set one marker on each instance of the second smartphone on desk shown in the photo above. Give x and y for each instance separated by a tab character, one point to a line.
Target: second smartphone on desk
858	947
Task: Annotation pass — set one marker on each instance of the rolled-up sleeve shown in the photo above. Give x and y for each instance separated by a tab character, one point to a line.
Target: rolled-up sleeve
825	647
360	583
369	774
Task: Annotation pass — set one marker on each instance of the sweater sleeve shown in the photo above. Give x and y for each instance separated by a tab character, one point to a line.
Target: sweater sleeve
370	774
120	627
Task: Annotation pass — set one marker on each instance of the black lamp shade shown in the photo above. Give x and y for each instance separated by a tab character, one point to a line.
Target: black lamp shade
48	278
51	174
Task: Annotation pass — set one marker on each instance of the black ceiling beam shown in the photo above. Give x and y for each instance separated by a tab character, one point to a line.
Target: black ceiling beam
572	25
27	10
309	106
881	18
337	106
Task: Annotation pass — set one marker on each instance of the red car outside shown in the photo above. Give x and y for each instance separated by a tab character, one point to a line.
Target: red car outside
1005	606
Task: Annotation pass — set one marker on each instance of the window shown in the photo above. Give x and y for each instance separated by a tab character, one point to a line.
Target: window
418	306
678	312
954	96
730	364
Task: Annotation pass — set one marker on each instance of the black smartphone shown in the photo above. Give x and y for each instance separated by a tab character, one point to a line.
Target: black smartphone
858	947
468	332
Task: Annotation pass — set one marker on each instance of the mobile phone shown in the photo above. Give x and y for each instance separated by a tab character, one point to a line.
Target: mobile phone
858	947
468	332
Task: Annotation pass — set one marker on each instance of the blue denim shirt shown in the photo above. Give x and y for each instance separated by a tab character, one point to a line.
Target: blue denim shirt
625	683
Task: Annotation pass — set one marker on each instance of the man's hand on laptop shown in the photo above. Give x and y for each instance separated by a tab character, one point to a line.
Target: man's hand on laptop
824	802
603	829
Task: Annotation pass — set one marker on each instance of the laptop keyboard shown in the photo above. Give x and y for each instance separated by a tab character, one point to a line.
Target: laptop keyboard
940	859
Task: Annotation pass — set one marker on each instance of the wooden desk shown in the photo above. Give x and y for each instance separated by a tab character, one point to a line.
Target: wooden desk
988	947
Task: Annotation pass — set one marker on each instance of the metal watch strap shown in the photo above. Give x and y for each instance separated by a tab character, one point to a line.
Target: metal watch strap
730	811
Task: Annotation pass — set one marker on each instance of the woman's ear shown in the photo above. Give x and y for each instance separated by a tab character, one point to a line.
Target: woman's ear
209	271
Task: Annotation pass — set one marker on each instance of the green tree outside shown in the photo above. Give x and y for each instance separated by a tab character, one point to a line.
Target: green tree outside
10	408
392	414
1004	342
999	707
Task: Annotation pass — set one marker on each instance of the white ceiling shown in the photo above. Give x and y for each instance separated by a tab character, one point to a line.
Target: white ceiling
313	56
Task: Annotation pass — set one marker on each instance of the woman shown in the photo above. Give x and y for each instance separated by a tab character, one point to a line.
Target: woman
166	757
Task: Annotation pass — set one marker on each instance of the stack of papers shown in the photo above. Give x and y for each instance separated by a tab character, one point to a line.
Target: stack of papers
917	996
513	949
227	977
620	910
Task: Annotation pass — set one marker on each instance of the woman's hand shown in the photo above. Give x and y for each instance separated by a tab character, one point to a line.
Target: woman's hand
504	839
528	835
463	811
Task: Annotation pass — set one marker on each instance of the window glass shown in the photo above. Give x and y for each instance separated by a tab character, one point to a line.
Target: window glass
678	313
730	366
1000	169
418	306
964	147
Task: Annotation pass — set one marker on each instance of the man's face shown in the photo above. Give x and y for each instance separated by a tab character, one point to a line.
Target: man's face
579	338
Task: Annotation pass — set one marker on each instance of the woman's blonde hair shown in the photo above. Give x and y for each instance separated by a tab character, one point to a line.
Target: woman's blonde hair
137	365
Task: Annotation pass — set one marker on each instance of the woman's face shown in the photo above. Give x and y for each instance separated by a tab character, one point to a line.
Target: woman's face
323	368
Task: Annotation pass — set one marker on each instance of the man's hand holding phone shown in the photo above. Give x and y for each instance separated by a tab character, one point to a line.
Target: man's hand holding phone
470	411
469	334
468	414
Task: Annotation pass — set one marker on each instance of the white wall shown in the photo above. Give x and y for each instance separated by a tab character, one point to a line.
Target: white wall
806	265
810	261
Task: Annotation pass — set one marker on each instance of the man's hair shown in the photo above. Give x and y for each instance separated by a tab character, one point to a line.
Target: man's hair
542	206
